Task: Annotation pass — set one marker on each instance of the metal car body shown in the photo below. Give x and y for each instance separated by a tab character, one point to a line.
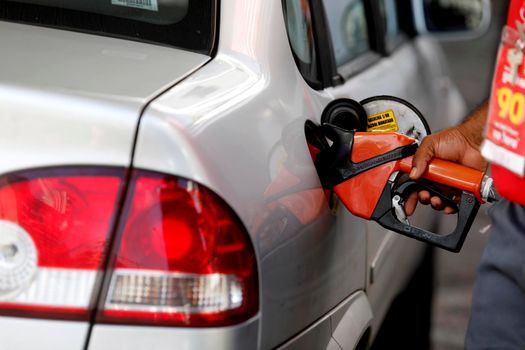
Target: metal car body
231	120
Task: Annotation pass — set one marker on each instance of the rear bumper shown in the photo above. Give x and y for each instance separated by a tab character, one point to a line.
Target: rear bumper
29	334
111	337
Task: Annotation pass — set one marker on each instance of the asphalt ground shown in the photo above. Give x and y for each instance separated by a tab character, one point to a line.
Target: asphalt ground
455	274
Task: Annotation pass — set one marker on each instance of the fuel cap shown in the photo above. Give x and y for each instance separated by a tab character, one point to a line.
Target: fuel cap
345	113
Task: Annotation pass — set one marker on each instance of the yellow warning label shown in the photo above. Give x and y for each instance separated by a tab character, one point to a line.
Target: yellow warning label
384	121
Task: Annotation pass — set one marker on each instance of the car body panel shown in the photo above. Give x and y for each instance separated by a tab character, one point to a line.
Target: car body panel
350	319
61	88
253	92
238	337
90	65
342	325
24	333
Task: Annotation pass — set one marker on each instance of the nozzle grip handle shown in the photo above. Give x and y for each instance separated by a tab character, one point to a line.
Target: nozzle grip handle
467	210
450	174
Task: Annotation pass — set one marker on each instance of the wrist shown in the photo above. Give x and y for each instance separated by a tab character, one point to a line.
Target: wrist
472	129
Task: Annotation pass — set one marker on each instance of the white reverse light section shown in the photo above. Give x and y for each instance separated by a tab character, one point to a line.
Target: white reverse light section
18	259
55	287
171	292
23	282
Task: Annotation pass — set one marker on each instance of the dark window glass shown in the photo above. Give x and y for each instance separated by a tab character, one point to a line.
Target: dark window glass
187	24
348	29
453	15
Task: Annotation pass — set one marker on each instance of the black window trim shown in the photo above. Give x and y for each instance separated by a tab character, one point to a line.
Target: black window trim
216	26
405	17
325	51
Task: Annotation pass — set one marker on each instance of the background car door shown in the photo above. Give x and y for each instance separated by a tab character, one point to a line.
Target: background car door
376	52
469	42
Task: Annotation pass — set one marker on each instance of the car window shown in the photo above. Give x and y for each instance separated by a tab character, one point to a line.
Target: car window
187	24
389	14
442	16
299	25
348	29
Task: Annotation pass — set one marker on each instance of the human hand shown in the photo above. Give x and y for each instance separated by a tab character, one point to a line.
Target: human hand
459	144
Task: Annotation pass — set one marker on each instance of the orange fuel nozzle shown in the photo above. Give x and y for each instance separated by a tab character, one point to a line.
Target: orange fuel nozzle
363	169
366	167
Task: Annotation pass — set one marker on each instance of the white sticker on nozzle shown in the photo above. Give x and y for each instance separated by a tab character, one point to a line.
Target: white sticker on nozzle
150	5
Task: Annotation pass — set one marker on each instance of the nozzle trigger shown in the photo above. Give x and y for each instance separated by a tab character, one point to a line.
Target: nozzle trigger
397	204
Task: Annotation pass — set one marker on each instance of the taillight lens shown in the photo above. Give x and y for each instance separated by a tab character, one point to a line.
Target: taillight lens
183	258
54	227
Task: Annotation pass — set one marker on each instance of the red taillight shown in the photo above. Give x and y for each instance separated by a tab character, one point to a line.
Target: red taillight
54	226
183	258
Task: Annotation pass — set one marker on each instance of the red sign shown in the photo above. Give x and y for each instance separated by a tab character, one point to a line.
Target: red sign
504	144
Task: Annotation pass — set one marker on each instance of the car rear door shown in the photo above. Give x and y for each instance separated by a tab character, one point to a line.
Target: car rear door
375	52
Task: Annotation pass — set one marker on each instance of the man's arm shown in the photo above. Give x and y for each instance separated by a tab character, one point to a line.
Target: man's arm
460	144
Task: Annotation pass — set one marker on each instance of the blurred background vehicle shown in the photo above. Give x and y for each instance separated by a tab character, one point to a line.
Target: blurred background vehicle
157	189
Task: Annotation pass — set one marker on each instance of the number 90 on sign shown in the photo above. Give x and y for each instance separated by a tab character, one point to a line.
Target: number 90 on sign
511	105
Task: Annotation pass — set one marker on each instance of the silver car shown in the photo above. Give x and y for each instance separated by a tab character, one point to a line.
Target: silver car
157	190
